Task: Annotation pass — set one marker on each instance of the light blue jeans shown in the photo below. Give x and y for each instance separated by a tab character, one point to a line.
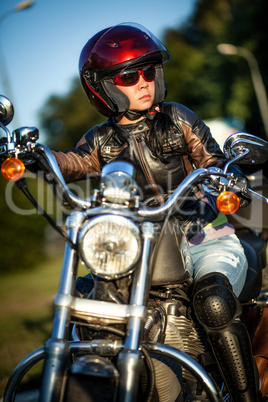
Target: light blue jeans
224	255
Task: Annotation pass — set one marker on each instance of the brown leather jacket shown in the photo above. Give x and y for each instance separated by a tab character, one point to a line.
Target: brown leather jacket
189	144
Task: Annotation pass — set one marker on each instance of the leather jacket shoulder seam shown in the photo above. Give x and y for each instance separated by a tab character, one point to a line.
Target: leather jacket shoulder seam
187	116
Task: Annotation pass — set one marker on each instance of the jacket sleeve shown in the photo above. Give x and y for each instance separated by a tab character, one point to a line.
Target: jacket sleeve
204	152
77	163
202	148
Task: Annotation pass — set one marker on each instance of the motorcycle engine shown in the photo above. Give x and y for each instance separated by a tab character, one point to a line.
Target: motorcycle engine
168	323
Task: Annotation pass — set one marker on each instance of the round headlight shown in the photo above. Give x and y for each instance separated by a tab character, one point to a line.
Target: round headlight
110	245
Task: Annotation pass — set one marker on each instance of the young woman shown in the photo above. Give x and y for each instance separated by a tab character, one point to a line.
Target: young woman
121	71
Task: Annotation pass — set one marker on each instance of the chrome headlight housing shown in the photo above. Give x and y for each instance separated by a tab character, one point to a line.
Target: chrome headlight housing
117	183
110	246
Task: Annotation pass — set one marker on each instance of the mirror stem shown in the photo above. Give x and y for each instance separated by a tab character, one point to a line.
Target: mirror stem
231	161
257	195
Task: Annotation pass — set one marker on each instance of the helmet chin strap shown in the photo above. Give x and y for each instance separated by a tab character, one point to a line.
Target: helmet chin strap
135	115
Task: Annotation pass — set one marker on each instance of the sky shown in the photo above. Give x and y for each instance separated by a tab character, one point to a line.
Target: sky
40	46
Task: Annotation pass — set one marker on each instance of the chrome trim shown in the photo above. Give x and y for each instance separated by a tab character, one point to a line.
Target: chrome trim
190	364
100	311
98	346
173	203
118	166
6	111
72	199
257	195
19	372
178	197
121	223
102	347
235	159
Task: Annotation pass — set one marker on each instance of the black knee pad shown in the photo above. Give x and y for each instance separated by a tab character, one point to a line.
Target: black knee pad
215	304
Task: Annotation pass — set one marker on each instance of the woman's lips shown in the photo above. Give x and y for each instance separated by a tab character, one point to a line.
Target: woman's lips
146	97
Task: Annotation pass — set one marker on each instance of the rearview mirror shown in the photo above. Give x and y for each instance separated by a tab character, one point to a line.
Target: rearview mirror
246	149
6	110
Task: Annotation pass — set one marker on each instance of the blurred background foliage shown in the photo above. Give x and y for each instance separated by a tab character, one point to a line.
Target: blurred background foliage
213	85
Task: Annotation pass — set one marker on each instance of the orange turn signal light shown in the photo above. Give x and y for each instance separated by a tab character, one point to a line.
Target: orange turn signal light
13	169
228	202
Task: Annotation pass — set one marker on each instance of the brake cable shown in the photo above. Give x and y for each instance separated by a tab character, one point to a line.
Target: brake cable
22	185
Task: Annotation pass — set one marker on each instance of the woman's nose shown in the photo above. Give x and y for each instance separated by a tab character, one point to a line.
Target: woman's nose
142	82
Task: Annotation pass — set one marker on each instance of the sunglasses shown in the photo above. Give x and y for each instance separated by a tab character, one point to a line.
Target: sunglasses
126	78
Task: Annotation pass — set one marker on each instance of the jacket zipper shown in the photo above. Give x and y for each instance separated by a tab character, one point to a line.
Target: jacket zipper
146	169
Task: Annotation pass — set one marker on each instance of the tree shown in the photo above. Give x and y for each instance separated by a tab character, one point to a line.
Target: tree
65	119
212	84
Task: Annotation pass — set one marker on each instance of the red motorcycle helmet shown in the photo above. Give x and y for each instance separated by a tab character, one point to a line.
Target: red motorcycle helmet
110	51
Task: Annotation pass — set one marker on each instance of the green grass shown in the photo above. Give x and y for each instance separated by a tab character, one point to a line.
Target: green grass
26	315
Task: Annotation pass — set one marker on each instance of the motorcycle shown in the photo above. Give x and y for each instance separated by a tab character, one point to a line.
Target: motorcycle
127	330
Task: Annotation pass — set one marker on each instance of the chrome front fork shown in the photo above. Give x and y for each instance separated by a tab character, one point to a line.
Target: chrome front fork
129	361
57	350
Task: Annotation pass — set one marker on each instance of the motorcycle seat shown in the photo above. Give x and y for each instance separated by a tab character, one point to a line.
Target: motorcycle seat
253	281
256	242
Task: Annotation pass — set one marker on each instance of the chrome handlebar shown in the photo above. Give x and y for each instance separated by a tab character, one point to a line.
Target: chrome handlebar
173	203
169	207
66	194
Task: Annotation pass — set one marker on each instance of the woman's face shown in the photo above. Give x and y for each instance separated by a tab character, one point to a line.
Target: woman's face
140	95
